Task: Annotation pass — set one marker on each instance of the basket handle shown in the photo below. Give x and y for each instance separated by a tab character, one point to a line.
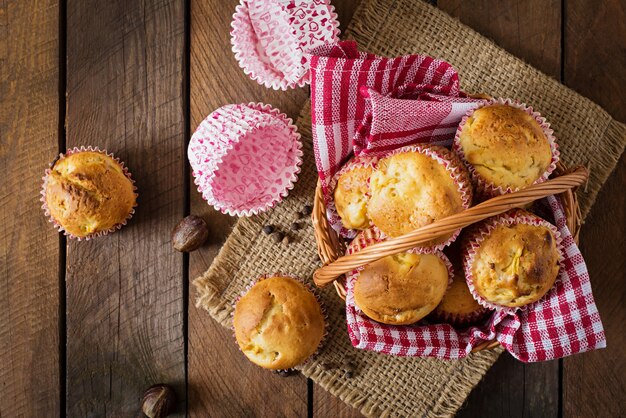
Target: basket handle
331	270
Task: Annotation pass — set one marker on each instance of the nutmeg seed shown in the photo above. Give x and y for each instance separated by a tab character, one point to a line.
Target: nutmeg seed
190	234
158	401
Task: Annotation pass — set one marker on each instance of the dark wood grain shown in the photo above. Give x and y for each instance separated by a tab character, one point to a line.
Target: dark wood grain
530	30
29	248
594	384
221	381
125	78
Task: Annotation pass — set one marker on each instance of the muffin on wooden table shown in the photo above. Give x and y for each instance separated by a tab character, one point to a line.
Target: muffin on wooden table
403	288
416	186
512	260
506	147
278	323
88	193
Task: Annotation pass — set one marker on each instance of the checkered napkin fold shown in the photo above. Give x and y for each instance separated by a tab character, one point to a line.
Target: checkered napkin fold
363	104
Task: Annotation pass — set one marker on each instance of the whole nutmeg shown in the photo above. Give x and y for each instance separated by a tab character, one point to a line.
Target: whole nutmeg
158	401
190	234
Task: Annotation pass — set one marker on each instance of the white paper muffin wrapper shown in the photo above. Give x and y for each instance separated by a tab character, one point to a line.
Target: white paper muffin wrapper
478	233
270	38
44	203
485	188
245	158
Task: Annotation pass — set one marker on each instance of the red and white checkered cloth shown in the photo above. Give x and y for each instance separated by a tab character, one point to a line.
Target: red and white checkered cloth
565	322
366	104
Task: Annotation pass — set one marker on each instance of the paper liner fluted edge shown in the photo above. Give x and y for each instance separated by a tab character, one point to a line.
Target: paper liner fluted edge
477	235
44	183
331	210
457	170
238	24
315	294
485	188
210	199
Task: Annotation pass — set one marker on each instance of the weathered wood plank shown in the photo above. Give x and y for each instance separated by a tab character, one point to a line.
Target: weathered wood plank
125	78
595	65
29	249
530	30
221	381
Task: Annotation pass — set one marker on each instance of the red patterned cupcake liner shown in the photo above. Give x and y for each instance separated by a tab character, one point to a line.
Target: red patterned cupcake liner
270	38
476	235
44	184
245	158
484	187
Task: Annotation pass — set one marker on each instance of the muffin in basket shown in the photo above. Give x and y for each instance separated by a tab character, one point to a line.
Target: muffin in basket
402	288
278	323
458	307
88	193
505	147
512	260
351	196
416	186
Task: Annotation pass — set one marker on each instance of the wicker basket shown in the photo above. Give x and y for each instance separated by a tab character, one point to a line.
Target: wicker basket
331	248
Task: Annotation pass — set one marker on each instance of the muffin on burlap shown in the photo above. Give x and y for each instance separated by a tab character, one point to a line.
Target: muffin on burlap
351	194
415	186
278	323
511	260
505	147
402	288
88	192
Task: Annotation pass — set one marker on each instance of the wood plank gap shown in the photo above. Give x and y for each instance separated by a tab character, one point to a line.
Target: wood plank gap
186	187
62	238
309	398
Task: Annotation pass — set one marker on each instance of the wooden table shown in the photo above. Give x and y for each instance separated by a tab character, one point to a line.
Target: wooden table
86	327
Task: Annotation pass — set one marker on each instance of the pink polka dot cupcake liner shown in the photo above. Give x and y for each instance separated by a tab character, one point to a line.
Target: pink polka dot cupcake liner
485	188
477	234
44	204
270	38
245	158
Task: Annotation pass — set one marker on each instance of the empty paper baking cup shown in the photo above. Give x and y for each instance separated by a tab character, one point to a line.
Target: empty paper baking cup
245	158
270	38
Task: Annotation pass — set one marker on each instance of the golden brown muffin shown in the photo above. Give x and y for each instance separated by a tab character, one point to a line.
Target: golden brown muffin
351	197
278	323
401	289
410	189
515	264
506	146
458	306
88	192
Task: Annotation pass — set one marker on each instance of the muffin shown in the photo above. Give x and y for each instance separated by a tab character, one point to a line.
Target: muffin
350	196
416	186
88	192
278	323
505	148
458	307
403	288
512	260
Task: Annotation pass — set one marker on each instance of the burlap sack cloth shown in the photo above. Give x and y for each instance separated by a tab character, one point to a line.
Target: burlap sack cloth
386	385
